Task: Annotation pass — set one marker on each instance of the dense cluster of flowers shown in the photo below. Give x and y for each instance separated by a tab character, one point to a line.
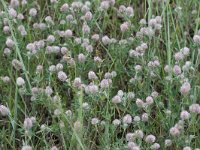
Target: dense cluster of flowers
97	75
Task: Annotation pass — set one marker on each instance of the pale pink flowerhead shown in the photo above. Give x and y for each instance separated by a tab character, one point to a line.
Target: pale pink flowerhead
155	146
64	7
185	51
139	134
130	136
26	147
185	115
124	27
145	117
81	57
54	148
195	108
127	119
139	103
196	38
150	139
178	56
62	76
177	70
187	148
95	121
185	88
116	99
28	124
168	142
174	131
92	75
32	12
116	122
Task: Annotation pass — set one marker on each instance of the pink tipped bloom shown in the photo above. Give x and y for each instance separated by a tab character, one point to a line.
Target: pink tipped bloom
127	119
33	12
124	27
149	100
195	108
150	139
116	99
139	103
174	131
177	70
168	142
185	88
94	121
185	115
28	123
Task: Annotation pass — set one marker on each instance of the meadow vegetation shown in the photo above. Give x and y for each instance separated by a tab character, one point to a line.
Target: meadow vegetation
100	75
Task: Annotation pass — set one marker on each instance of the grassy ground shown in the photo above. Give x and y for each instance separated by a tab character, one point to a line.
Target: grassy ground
147	75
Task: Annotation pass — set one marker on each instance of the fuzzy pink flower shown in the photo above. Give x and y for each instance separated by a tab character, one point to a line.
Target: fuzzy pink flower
174	131
185	88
